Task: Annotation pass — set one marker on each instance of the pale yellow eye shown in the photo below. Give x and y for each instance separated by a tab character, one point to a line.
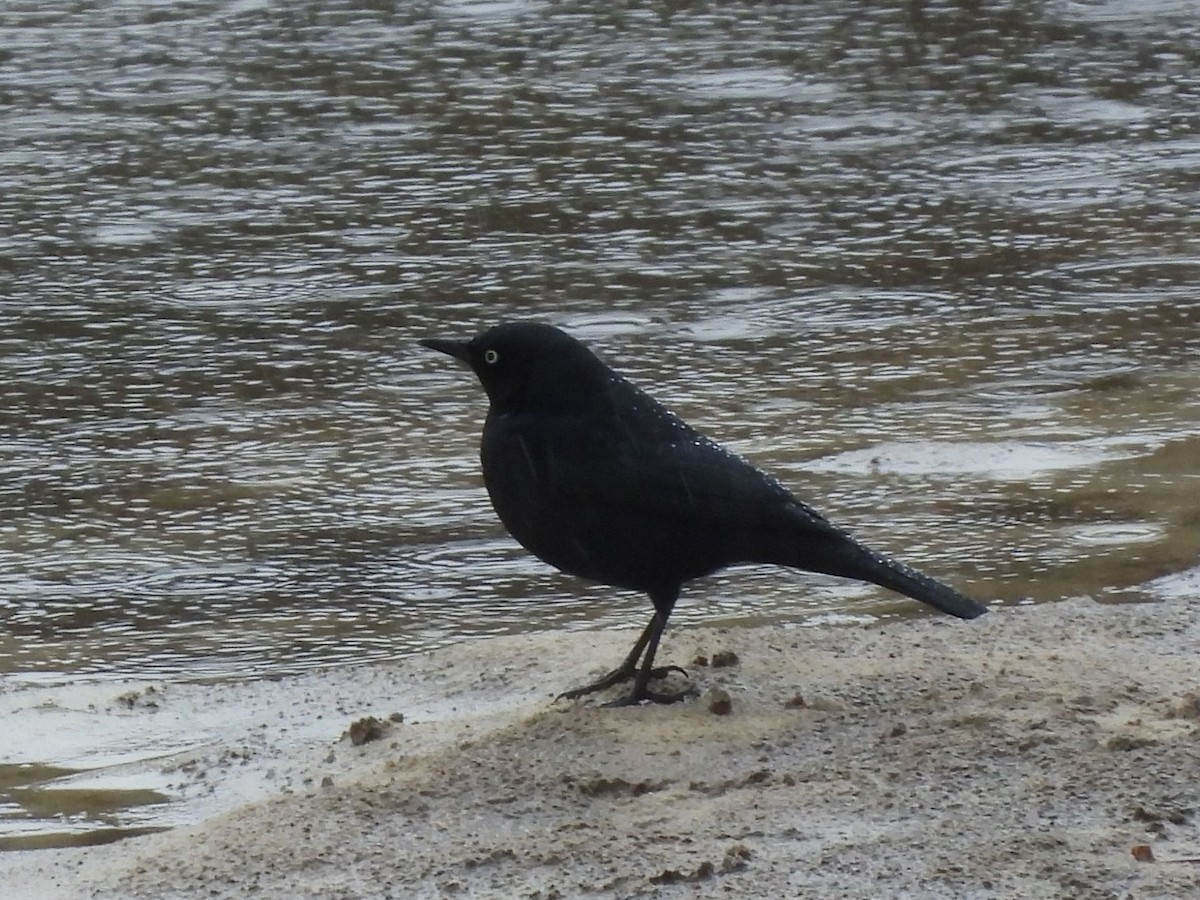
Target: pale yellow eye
491	357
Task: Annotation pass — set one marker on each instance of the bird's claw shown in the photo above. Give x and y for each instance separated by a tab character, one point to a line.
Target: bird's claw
612	678
664	671
636	699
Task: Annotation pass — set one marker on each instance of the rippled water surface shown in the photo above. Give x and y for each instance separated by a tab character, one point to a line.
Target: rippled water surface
936	268
934	264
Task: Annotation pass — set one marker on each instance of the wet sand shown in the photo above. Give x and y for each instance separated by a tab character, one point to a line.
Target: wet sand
1024	754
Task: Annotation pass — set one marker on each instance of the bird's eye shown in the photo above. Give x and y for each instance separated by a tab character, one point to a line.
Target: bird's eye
491	357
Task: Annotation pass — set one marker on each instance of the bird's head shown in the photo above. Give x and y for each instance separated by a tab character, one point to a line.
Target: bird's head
530	367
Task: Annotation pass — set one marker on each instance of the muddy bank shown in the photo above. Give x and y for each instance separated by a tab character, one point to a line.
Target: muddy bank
1024	754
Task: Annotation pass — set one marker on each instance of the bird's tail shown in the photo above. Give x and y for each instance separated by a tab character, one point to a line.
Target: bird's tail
826	549
867	565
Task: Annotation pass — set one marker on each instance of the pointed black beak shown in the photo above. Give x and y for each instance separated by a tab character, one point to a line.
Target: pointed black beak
458	349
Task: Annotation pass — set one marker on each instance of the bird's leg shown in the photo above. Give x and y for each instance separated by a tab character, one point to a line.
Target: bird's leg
641	685
628	668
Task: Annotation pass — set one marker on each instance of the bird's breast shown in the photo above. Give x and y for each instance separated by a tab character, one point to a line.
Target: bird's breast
528	469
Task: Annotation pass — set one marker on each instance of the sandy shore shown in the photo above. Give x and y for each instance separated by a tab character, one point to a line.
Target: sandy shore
1021	755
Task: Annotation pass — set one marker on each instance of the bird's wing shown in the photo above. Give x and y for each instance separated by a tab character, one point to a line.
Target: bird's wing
692	478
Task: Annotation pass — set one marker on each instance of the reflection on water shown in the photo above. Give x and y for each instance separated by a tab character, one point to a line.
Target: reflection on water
934	265
32	795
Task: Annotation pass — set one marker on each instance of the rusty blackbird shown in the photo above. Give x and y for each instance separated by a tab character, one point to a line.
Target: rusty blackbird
593	476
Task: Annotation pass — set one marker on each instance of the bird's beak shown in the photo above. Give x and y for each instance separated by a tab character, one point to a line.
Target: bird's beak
458	349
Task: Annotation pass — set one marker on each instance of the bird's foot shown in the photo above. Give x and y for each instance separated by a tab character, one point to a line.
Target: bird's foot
625	673
616	676
634	698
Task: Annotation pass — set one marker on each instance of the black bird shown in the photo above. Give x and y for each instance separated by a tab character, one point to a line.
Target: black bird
592	475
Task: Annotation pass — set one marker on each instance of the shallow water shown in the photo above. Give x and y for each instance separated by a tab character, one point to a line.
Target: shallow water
933	265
